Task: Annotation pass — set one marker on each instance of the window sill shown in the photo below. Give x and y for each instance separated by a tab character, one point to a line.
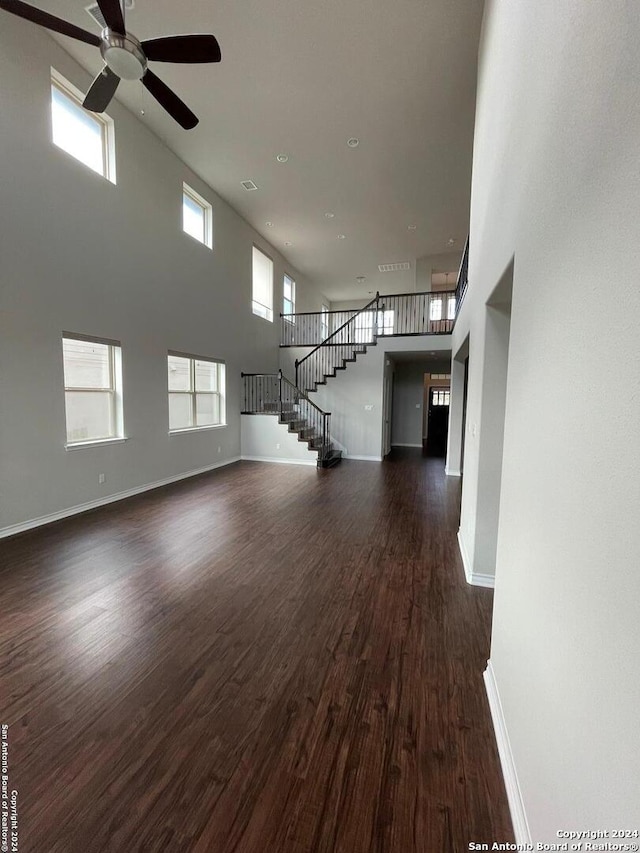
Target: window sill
197	429
79	445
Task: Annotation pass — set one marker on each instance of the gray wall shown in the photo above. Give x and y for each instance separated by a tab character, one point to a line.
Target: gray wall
556	186
408	400
80	254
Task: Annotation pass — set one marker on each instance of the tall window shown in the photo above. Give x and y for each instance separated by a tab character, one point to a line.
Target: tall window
85	135
196	392
92	389
451	307
324	322
197	216
385	322
262	285
289	298
435	309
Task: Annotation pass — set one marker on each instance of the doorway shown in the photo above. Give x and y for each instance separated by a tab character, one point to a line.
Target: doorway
437	421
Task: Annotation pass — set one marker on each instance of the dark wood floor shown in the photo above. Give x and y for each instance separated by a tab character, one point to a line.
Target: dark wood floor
265	659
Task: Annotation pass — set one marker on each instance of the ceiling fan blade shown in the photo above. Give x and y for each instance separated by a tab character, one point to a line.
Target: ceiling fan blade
112	14
193	48
102	90
44	19
176	108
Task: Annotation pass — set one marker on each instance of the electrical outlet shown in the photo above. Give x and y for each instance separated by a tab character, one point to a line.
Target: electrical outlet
219	450
277	447
417	405
101	479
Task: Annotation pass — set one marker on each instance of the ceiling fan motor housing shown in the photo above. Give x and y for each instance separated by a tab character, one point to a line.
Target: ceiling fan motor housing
123	54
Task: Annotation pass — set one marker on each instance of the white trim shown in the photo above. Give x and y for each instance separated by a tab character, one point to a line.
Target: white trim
118	496
203	428
362	458
473	578
452	472
78	445
280	461
514	793
398	444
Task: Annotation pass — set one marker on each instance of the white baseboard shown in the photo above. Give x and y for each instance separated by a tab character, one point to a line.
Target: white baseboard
452	472
398	444
363	458
473	578
109	499
280	461
514	793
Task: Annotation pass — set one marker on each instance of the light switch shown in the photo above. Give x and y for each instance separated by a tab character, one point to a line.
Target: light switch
417	405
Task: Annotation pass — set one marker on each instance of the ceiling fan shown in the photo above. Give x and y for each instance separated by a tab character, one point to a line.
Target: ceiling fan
126	58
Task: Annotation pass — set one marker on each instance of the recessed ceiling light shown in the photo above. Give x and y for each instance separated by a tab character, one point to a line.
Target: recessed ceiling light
353	142
361	278
288	243
282	158
412	227
329	215
342	236
269	224
451	241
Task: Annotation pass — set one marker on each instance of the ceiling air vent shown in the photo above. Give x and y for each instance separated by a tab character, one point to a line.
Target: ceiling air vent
405	265
249	185
96	14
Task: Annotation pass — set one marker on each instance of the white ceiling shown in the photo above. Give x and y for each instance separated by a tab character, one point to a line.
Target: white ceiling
300	78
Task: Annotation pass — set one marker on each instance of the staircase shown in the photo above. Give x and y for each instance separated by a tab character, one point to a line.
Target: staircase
349	341
274	394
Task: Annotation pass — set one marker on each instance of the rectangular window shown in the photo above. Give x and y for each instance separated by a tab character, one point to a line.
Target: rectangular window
197	216
324	322
451	307
262	285
364	327
92	389
87	136
385	322
289	298
435	309
196	392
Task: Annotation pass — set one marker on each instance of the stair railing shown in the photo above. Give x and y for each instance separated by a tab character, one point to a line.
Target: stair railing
351	338
274	394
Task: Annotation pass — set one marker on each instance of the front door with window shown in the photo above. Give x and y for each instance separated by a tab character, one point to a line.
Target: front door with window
438	421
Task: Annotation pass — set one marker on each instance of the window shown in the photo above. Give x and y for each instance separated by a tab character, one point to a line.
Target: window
289	298
364	327
451	307
196	392
197	216
324	322
385	322
262	285
435	309
440	397
86	136
92	389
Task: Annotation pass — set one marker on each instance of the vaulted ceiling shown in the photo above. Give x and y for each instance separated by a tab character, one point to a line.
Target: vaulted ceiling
300	78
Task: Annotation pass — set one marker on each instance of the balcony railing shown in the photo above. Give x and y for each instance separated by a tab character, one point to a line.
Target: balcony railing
430	313
463	278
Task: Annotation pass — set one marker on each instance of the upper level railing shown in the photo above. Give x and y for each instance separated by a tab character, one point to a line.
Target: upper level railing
463	278
431	313
274	394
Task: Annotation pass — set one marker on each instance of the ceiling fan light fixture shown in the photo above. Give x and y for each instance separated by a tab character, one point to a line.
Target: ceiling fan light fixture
123	55
282	158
